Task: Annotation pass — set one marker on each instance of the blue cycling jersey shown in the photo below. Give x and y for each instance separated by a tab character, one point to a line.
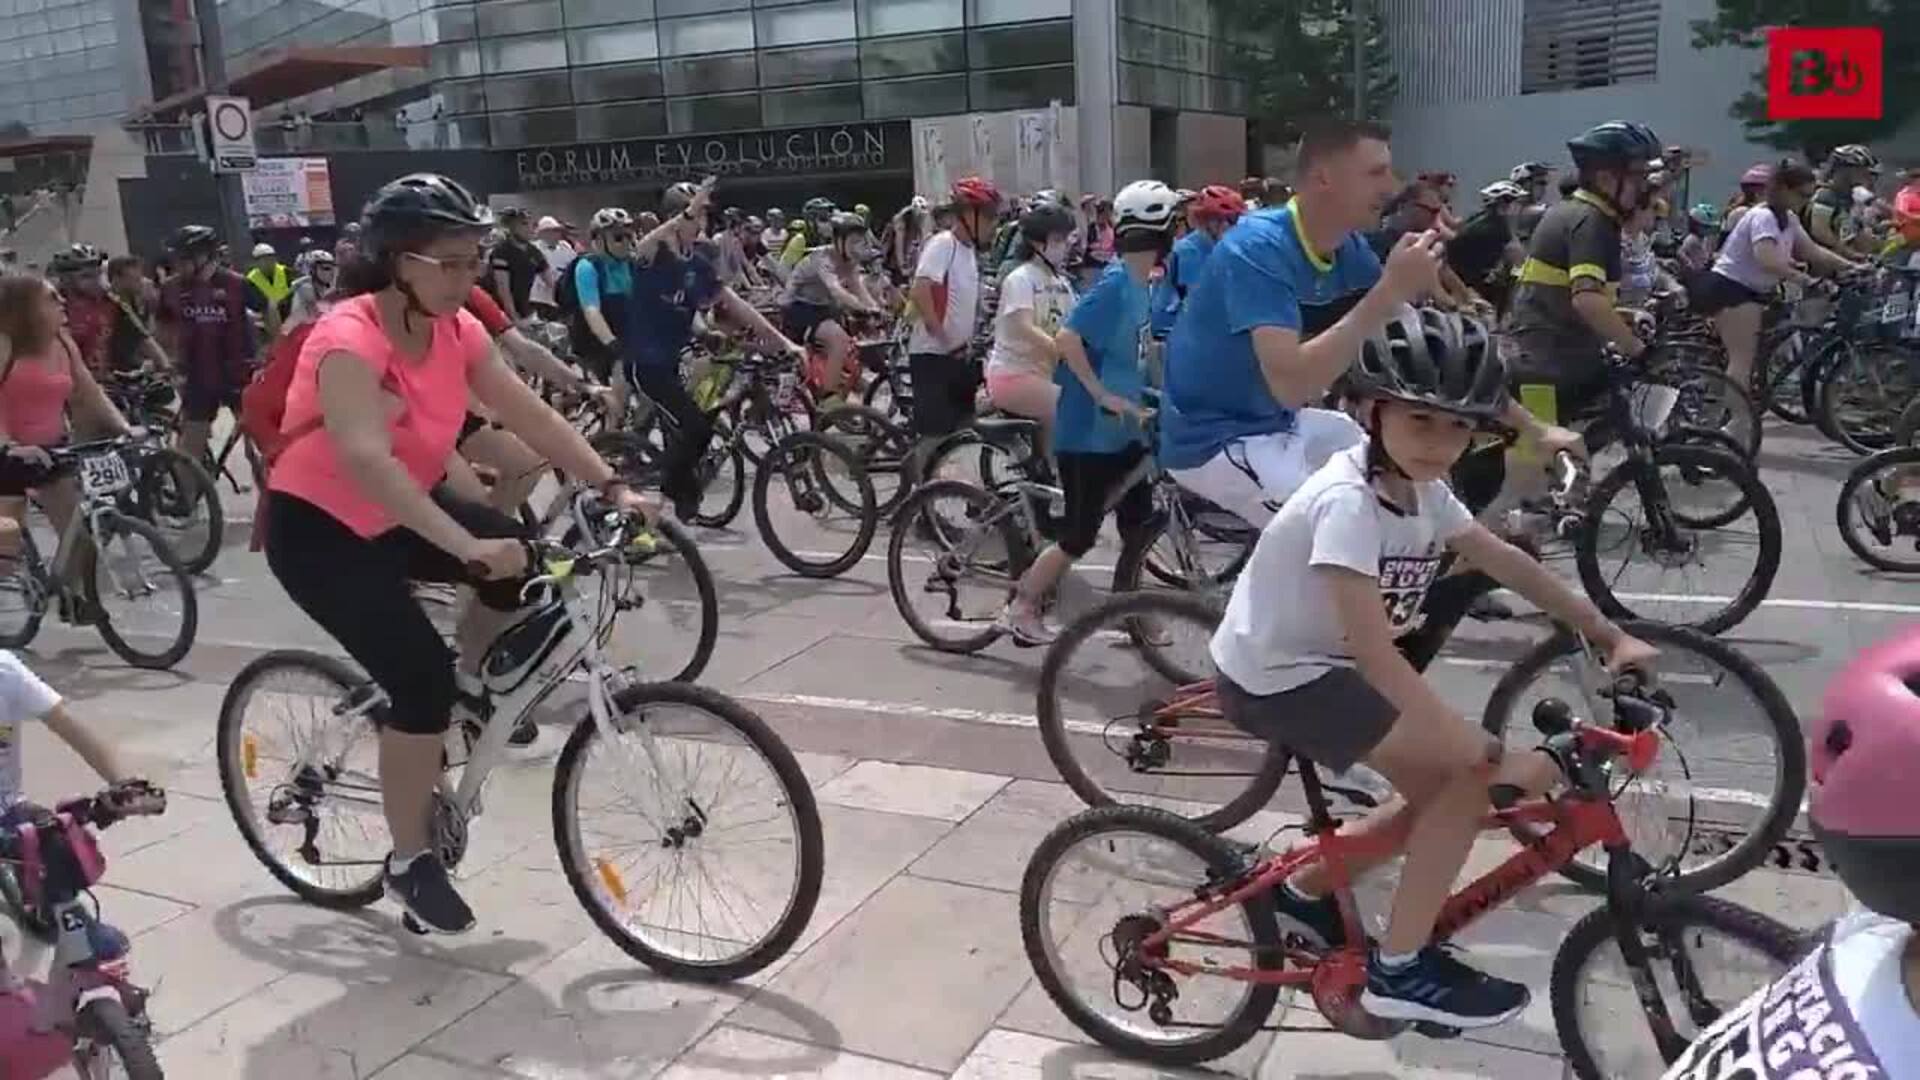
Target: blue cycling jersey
1178	278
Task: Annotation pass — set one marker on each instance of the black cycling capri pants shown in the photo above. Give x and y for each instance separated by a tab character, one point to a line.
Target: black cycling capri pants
1088	481
944	386
1334	721
359	590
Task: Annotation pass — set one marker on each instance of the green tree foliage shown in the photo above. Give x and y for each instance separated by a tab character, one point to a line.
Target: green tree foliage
1297	59
1744	24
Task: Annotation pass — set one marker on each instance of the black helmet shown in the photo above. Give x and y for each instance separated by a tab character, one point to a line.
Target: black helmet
193	240
512	213
1044	219
818	208
677	198
417	206
732	216
1434	359
78	259
1613	143
1052	196
842	225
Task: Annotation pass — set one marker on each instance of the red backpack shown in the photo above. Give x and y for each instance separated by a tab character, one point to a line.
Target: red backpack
263	409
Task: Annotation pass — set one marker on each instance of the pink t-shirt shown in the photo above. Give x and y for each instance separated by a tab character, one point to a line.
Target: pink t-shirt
426	403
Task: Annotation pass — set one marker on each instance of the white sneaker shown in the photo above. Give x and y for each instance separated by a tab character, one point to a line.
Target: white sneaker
1028	629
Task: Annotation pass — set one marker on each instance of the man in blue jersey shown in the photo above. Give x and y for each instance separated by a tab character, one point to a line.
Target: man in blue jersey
1278	314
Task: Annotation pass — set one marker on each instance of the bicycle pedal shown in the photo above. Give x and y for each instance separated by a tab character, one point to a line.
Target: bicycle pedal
1435	1031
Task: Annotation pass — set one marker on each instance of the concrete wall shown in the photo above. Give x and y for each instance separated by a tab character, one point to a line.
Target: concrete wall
1212	149
1132	146
946	148
116	156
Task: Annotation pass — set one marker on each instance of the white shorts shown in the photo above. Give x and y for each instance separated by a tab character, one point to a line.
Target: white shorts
1251	477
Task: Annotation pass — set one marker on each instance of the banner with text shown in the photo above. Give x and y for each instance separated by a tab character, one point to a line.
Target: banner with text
846	148
288	193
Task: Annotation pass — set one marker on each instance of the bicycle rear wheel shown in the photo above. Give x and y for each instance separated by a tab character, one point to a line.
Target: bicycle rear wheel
670	587
149	612
1705	956
1878	511
811	534
176	496
883	449
771	823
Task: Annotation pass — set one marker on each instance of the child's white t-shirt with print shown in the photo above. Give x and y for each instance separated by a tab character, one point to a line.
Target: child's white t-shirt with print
1281	629
23	698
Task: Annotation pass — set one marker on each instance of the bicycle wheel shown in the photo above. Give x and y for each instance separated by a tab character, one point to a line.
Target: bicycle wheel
1096	886
1137	725
1197	562
1906	430
1863	397
1821	361
1710	400
305	789
811	535
1881	498
1703	483
1704	955
142	592
1707	517
723	482
175	495
23	595
882	448
108	1042
1786	368
682	735
952	545
666	588
1731	771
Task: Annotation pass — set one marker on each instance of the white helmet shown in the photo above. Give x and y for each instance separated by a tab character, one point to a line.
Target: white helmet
611	217
920	204
1503	191
1144	204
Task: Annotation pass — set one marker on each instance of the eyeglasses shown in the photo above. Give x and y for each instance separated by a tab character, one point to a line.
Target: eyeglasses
465	266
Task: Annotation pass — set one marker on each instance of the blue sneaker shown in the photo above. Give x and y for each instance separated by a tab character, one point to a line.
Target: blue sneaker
1439	989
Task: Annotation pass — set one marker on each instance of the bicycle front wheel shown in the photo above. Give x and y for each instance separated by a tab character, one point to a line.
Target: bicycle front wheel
149	612
710	883
809	531
1703	957
952	561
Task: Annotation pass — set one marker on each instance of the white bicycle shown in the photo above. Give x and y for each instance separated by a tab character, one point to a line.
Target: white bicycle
680	761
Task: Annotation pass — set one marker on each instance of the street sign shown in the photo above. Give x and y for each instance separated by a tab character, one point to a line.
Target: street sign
230	133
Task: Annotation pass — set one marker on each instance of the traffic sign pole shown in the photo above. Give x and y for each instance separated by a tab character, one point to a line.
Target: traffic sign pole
233	203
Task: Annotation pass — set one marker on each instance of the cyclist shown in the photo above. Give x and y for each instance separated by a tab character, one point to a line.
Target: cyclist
1213	210
1306	650
1752	192
673	279
824	284
366	498
946	305
906	233
131	345
1848	1007
1417	208
1035	298
516	264
1485	249
313	289
83	295
1758	255
1703	229
273	287
602	289
1829	217
1099	432
1535	178
205	328
550	239
816	217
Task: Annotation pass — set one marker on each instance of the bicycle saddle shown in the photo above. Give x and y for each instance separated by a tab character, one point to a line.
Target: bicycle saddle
1006	431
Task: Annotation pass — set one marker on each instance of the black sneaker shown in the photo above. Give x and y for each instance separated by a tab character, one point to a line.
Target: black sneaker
1318	920
1437	988
525	733
427	894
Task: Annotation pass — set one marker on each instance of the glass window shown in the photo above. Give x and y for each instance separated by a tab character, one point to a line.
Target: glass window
830	21
451	60
617	83
709	74
1022	88
812	105
529	53
671	8
936	96
1021	46
595	12
813	64
881	17
623	121
529	91
1143	85
462	96
708	33
719	112
539	126
605	44
983	12
524	18
913	55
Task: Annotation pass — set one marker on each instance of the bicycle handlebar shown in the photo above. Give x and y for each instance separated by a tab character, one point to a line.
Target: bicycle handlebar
98	811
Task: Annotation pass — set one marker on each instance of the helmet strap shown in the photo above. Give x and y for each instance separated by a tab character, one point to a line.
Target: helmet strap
1379	462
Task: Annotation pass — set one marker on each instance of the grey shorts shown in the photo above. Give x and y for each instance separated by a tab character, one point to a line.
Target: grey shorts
1333	721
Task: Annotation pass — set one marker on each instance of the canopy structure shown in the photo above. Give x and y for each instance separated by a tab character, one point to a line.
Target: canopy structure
285	74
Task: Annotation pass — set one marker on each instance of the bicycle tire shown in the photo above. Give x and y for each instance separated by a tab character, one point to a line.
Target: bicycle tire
905	520
1813	379
228	758
782	460
579	872
1783	389
1726	390
1137	562
1843	509
873	437
182	644
1906	431
193	489
1668	914
34	924
1712	440
104	1021
688	552
1052	722
1222	860
723	455
1791	780
1759	500
1860	444
35	589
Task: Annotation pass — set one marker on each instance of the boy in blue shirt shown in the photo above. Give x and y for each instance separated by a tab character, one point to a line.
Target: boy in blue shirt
1100	424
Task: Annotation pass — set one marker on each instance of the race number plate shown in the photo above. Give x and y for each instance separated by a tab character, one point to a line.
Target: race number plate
104	474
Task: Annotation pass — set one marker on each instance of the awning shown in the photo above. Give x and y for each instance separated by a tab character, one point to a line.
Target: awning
46	144
285	74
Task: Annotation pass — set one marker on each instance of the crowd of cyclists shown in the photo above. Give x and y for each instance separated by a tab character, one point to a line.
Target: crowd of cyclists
1339	363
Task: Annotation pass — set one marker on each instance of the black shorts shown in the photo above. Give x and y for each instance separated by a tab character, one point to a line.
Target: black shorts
799	319
19	477
203	395
1334	721
1088	481
1577	374
944	386
1711	293
360	591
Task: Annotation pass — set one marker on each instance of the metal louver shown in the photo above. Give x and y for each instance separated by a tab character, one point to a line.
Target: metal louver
1570	44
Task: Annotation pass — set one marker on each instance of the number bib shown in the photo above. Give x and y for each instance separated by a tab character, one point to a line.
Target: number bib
104	474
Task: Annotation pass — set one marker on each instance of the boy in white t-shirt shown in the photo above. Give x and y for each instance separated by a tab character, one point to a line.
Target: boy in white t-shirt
1307	658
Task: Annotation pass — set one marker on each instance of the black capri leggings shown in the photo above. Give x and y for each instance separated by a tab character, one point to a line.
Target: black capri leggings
360	592
1087	481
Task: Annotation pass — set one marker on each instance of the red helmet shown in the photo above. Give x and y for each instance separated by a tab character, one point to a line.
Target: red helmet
1217	201
1863	752
976	191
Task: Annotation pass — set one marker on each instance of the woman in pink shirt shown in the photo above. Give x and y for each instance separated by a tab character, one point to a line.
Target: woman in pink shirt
369	494
41	378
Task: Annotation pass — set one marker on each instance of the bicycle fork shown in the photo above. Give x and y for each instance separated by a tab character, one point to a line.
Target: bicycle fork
1628	900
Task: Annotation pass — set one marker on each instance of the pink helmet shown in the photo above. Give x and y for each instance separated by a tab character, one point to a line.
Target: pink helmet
1863	753
1759	176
